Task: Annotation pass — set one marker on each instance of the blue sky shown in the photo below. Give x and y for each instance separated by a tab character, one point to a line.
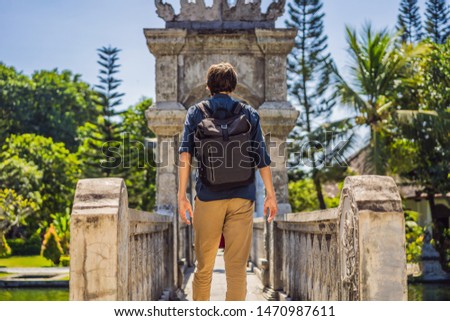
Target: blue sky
64	34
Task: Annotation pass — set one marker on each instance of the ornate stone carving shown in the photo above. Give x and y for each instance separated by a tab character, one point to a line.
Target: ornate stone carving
243	10
280	181
164	10
349	255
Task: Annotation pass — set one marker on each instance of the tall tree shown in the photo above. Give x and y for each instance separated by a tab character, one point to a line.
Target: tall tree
422	142
437	23
49	103
409	21
376	67
41	170
308	67
141	174
102	152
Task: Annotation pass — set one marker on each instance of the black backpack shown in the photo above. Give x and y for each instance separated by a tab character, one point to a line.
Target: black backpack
223	149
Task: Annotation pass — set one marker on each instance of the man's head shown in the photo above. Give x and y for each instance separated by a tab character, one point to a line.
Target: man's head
221	77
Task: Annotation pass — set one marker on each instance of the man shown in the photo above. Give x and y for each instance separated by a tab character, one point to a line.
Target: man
228	212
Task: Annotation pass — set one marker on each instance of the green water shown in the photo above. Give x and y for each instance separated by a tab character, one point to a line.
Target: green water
428	292
416	292
35	294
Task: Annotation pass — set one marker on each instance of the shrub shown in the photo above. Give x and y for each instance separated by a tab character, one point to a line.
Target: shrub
51	247
302	195
65	260
5	250
414	237
31	246
61	222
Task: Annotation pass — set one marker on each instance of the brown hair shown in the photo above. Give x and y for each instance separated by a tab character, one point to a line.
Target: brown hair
221	77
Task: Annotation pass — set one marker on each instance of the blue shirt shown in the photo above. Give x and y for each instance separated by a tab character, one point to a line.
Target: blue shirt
194	116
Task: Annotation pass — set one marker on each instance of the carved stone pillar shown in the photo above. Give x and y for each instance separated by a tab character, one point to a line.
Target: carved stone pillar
278	117
166	118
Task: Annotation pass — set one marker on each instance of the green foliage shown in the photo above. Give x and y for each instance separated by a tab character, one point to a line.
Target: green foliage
49	103
332	202
437	23
65	260
409	22
414	237
51	247
28	246
14	209
309	81
54	174
140	167
21	175
59	169
61	222
377	65
100	151
303	196
5	250
420	137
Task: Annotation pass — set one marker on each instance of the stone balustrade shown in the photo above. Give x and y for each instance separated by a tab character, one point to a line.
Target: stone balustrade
117	253
150	265
353	252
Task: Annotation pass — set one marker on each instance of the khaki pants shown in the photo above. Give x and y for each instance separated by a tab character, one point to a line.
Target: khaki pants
233	217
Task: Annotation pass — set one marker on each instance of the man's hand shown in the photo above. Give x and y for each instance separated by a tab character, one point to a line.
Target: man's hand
270	202
183	206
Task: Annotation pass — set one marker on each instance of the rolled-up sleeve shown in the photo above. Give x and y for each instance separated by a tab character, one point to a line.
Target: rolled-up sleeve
187	140
259	145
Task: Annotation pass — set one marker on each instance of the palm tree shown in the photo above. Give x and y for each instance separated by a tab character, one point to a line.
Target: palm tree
377	65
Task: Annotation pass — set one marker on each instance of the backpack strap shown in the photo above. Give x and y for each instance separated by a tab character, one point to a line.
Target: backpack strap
203	106
237	108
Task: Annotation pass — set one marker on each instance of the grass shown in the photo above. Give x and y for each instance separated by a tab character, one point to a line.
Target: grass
65	278
3	274
25	261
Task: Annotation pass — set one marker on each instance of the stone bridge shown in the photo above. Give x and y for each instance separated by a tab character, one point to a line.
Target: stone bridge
353	252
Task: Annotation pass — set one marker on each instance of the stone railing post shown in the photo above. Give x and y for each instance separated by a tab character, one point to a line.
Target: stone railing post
371	240
278	117
354	252
166	118
99	240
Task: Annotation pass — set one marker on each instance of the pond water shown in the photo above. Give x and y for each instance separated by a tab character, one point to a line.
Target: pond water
428	292
416	292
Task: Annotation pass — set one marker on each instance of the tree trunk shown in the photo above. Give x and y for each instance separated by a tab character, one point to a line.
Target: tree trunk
318	186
